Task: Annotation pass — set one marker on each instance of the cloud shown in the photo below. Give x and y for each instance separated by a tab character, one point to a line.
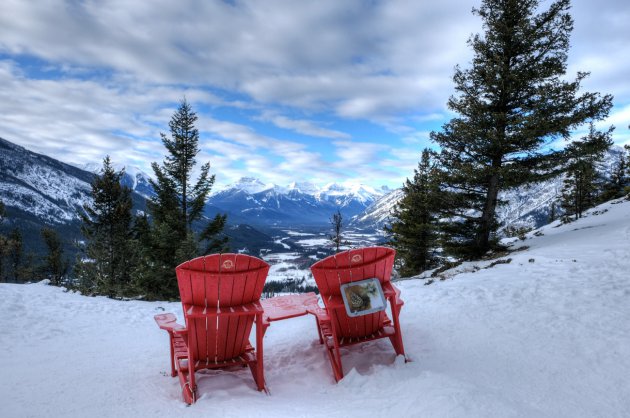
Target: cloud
305	127
82	79
304	54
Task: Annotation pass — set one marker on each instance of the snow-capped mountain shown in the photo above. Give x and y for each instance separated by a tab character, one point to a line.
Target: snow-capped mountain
295	204
133	177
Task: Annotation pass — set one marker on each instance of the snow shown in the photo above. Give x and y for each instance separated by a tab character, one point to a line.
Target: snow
545	335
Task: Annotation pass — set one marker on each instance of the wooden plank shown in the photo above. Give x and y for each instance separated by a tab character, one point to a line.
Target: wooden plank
199	329
226	267
240	281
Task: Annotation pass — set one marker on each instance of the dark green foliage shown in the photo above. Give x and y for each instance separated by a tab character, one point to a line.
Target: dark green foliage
106	264
15	256
14	266
512	104
177	205
583	182
336	221
288	286
413	231
4	245
213	235
55	266
553	212
619	181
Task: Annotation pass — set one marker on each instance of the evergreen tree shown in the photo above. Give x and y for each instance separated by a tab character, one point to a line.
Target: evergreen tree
582	181
553	212
15	255
55	267
107	262
336	221
178	204
213	235
512	103
414	230
619	178
4	244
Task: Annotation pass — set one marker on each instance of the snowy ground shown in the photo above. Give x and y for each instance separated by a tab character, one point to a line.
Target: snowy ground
546	335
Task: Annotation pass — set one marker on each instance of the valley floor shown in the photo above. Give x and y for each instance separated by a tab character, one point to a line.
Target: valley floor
545	335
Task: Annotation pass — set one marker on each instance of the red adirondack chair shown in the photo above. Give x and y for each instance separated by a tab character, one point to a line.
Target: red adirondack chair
220	296
338	329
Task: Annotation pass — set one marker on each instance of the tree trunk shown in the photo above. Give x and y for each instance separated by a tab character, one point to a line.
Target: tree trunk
487	216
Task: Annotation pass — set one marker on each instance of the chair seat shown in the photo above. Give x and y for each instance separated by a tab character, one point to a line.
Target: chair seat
245	358
346	341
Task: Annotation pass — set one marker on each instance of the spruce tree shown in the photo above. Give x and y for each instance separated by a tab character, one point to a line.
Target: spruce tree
16	253
107	262
4	244
414	230
582	183
55	266
336	222
512	104
619	178
177	205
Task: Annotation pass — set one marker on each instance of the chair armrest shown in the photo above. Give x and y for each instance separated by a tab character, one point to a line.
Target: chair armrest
320	313
168	322
393	293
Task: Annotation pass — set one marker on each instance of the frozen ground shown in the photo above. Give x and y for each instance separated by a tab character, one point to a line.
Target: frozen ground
545	335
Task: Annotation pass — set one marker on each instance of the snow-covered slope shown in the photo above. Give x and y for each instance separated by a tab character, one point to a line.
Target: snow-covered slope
545	335
378	213
41	186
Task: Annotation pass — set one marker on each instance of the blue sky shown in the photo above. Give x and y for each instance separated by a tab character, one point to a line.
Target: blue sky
285	90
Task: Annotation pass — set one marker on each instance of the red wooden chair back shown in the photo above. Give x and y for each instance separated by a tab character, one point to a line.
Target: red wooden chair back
352	266
217	282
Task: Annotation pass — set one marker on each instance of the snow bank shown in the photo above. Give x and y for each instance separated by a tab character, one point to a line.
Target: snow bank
546	335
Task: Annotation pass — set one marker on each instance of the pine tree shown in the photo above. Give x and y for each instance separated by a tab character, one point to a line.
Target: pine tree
336	221
582	180
619	178
106	265
55	267
177	205
414	230
512	103
4	244
16	253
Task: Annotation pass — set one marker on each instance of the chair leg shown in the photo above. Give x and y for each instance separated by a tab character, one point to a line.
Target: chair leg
172	344
335	361
397	343
258	369
188	390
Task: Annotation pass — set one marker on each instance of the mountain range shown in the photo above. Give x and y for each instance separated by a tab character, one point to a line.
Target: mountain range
40	191
298	204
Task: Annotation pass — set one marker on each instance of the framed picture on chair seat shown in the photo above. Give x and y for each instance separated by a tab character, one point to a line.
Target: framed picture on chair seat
363	297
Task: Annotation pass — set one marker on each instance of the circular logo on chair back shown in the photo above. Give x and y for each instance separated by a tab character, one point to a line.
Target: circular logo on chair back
356	258
228	264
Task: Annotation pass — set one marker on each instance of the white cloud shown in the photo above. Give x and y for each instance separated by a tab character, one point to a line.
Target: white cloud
109	73
305	127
